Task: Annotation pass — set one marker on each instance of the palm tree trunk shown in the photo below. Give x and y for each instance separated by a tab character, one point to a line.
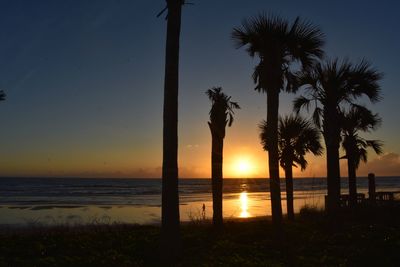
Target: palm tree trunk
170	197
333	168
351	166
216	176
332	142
289	190
273	156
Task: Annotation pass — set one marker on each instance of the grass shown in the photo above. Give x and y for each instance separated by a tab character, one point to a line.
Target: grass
365	237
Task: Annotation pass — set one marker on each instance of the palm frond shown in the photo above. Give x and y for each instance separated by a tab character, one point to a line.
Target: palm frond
257	31
2	95
230	120
302	162
234	105
364	80
300	103
278	45
307	78
297	137
360	118
357	146
317	114
222	110
305	42
263	127
291	82
376	145
361	156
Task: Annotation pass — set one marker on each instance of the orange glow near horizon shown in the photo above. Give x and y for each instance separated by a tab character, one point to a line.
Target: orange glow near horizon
239	162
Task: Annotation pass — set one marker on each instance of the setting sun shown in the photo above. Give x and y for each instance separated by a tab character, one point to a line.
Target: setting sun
243	167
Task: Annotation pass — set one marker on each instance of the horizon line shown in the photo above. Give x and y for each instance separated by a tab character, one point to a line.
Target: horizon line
181	178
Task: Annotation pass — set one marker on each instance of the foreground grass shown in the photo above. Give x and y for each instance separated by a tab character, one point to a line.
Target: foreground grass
356	238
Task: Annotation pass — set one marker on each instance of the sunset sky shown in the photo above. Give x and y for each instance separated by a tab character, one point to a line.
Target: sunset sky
84	84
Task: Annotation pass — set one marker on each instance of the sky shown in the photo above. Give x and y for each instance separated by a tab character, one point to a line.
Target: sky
84	84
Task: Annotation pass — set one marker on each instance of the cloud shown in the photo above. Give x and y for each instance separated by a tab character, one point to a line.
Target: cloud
385	165
193	172
184	172
135	173
146	173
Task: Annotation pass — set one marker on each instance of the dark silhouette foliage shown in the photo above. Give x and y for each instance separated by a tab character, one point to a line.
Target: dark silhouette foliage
278	44
221	114
358	119
296	137
332	86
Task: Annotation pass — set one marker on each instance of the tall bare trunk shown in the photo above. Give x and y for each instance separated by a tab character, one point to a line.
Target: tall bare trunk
216	176
170	197
351	166
332	142
332	158
289	190
273	156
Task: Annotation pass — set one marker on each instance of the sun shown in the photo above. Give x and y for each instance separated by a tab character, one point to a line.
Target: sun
243	167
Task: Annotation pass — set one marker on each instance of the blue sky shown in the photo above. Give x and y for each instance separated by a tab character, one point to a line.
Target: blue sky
84	82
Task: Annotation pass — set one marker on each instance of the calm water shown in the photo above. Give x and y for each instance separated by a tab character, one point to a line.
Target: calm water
59	201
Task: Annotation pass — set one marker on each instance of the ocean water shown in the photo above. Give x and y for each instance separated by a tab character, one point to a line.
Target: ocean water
25	201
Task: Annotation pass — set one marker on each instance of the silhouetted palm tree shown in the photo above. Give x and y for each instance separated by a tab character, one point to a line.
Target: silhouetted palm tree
2	95
331	86
296	137
358	119
221	114
277	44
170	197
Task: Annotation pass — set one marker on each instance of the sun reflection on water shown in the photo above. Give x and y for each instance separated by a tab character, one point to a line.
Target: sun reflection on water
244	205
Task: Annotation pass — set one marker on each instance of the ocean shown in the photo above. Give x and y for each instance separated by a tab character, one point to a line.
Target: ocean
27	201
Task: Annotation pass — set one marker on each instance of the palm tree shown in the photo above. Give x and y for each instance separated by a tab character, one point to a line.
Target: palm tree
358	119
296	137
332	86
221	114
170	197
278	45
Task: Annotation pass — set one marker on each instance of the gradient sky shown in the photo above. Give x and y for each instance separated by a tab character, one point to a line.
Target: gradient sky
84	84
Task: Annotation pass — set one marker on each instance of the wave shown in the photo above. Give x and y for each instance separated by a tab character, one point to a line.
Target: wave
78	191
